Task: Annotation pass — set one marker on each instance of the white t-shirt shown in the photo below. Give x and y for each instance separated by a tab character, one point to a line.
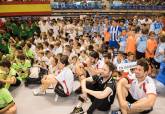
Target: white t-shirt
140	90
43	27
57	50
66	79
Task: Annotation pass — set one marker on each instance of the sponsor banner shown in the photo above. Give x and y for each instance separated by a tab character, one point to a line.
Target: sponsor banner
126	66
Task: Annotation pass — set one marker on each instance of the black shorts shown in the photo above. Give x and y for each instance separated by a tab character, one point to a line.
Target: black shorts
131	100
156	64
60	90
140	55
100	104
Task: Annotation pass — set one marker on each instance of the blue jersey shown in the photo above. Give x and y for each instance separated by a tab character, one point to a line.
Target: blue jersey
122	42
159	57
156	27
114	32
142	43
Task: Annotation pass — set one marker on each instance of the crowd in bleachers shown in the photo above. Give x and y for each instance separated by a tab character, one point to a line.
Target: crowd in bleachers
50	51
144	2
138	5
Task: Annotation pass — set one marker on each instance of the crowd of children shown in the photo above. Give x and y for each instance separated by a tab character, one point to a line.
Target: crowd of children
55	52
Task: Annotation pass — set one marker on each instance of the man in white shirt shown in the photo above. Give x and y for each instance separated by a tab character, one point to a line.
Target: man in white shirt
137	94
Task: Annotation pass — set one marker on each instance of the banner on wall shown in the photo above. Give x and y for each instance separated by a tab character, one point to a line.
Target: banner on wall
24	8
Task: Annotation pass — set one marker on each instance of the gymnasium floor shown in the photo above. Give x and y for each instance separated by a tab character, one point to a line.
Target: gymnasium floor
29	104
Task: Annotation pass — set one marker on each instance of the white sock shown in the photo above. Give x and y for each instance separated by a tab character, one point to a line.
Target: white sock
79	104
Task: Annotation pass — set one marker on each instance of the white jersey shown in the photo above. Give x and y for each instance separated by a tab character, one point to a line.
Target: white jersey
66	79
140	90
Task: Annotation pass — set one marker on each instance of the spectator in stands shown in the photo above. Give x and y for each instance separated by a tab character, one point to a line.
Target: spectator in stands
137	94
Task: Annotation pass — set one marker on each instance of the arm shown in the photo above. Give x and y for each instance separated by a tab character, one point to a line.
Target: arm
94	71
11	80
7	107
120	85
161	51
99	94
79	70
145	103
83	83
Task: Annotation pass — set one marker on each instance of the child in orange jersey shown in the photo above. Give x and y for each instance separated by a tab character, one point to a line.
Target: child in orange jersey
151	46
131	43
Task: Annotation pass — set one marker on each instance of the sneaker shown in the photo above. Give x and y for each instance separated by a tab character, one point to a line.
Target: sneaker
38	92
77	110
116	112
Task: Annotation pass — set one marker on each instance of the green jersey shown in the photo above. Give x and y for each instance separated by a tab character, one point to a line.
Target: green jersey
5	98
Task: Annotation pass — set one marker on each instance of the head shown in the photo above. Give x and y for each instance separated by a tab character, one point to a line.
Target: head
130	56
48	54
162	38
141	69
122	22
67	50
124	32
120	56
21	58
94	57
152	35
106	21
107	57
114	22
74	59
116	75
107	70
53	61
5	65
63	62
145	31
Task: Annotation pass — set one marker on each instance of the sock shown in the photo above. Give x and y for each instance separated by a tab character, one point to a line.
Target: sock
79	104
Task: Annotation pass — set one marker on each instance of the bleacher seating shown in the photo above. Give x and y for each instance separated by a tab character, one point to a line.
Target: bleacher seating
118	5
76	5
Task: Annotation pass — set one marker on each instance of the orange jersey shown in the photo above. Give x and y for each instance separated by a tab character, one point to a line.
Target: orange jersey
131	44
151	47
106	36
